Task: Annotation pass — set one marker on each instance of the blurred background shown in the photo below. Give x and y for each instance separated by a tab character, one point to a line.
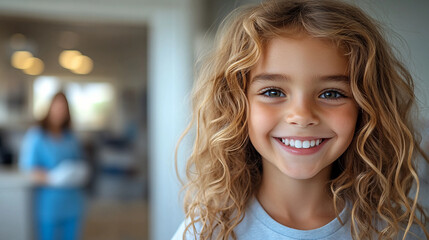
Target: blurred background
127	69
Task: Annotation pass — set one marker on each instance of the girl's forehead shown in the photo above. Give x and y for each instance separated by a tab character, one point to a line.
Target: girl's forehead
301	52
299	33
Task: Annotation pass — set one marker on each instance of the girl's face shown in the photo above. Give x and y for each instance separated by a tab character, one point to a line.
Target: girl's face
302	112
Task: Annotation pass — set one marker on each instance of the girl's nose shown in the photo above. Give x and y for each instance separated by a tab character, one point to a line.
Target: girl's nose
301	113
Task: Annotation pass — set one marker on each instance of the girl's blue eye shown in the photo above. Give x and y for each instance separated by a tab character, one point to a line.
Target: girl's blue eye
332	94
273	93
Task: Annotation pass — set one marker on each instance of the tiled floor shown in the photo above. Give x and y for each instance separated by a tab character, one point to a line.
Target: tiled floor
116	220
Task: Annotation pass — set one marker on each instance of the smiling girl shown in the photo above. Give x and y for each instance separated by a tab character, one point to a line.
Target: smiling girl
302	130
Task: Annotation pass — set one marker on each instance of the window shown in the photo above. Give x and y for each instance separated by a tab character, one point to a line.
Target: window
91	103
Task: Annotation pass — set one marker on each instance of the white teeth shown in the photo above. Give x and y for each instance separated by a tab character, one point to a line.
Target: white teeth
298	144
306	144
301	144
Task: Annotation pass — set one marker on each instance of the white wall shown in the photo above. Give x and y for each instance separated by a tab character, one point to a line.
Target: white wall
170	79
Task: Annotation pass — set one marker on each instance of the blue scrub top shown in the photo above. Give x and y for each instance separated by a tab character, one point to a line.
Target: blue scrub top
44	151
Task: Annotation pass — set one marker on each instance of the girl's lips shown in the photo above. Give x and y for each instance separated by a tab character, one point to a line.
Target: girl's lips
304	146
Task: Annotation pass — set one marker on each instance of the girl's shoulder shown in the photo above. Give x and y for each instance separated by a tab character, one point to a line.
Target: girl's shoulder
190	233
415	233
179	233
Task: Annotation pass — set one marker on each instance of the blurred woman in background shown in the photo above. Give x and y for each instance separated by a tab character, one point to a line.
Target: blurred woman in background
52	155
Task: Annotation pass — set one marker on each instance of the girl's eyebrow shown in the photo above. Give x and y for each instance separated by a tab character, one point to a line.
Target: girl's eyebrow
281	77
335	78
270	77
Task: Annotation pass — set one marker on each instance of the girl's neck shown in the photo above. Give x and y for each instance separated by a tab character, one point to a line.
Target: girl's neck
300	204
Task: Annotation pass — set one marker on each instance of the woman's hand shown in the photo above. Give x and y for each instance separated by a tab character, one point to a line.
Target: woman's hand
39	176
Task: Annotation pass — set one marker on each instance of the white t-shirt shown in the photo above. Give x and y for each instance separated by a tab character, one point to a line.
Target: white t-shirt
258	225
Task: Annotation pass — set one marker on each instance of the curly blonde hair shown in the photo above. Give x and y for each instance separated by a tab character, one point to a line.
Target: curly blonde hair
376	172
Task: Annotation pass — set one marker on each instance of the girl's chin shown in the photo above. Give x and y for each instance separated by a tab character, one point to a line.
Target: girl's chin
302	172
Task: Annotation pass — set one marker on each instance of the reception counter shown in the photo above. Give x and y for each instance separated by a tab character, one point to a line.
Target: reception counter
15	206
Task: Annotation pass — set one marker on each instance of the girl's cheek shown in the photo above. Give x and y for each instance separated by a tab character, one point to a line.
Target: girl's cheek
344	118
261	114
263	120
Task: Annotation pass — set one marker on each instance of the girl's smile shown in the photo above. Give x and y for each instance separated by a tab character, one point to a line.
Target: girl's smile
302	145
302	111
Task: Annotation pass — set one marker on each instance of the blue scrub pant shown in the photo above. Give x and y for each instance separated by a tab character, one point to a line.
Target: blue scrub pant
67	229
